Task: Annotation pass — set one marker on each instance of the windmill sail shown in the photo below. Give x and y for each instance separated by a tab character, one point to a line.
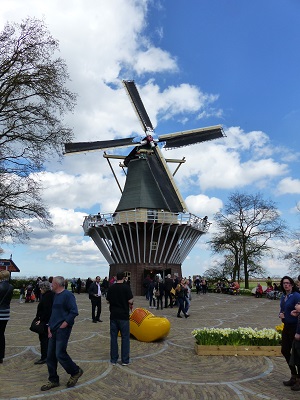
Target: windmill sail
98	145
138	105
186	138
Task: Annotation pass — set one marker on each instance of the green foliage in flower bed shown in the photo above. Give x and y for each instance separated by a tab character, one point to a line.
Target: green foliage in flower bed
247	292
237	337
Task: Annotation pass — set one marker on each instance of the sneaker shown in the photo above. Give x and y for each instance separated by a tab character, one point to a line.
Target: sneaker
73	379
49	385
125	364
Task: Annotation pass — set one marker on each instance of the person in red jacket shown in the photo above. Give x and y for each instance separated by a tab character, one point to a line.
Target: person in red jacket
259	290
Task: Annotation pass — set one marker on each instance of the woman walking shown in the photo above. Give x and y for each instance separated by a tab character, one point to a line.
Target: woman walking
288	301
181	294
43	314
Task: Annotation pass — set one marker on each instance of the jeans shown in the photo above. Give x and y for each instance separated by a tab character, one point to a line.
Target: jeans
57	352
187	305
151	299
121	325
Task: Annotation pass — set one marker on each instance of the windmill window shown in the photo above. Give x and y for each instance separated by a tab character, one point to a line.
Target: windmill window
153	245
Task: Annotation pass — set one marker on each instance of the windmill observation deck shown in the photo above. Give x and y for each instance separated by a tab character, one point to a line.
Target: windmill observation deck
145	236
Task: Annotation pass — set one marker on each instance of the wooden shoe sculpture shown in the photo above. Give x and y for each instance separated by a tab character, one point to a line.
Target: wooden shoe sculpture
146	327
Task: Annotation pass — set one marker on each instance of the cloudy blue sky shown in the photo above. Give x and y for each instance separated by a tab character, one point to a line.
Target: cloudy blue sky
196	63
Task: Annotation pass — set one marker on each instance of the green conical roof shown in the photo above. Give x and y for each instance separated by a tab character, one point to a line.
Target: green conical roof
141	189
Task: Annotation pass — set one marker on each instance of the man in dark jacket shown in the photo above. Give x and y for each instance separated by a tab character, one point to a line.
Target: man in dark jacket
120	299
95	297
168	287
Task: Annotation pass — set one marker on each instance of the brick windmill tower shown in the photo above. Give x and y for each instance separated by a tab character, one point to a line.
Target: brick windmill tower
151	230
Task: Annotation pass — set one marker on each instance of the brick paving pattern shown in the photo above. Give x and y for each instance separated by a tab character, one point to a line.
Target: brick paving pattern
168	369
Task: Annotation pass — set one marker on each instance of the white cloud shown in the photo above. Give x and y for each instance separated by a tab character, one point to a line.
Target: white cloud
203	205
229	163
83	190
289	185
155	60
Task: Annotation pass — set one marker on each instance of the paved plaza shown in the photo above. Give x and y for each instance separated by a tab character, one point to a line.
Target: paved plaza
168	369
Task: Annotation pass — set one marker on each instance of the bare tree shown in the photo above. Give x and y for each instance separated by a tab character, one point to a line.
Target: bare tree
246	226
220	271
33	101
294	256
228	242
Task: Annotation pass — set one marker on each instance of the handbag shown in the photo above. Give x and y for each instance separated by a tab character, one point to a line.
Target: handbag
157	293
172	291
37	328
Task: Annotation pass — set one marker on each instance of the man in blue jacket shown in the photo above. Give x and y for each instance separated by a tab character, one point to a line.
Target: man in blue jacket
64	312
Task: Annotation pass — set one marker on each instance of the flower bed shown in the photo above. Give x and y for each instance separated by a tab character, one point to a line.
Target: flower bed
240	341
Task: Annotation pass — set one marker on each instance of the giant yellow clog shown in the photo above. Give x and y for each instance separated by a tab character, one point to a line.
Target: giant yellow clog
146	327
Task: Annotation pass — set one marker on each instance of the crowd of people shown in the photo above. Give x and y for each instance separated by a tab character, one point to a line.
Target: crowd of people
169	292
57	310
55	317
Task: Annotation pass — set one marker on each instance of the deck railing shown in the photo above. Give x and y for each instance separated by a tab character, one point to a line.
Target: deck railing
144	215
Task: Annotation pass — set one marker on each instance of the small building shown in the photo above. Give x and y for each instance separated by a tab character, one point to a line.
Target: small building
8	265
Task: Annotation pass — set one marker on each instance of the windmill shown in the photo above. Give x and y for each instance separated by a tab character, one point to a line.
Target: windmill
151	230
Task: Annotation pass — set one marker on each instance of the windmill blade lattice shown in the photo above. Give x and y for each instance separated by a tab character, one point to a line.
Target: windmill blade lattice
98	145
138	105
186	138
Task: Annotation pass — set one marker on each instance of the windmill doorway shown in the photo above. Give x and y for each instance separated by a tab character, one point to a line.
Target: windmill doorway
153	272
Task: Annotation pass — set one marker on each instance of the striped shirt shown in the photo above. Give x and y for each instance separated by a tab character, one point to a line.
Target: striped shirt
6	292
